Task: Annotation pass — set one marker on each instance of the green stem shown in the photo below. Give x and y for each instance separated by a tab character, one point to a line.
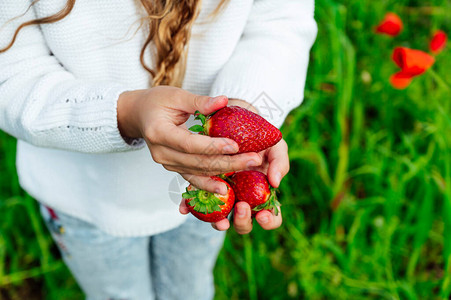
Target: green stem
442	83
250	268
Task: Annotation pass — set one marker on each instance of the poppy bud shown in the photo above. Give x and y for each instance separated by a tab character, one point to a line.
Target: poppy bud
438	42
390	25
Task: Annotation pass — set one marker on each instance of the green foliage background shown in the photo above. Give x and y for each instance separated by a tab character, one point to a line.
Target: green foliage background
367	203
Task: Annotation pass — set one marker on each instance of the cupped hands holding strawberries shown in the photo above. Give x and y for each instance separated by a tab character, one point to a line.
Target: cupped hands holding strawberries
159	114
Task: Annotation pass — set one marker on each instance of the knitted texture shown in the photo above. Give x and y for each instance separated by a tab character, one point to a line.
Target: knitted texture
59	86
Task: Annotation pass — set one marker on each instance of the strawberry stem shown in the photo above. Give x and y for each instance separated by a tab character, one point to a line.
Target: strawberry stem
226	178
199	128
203	201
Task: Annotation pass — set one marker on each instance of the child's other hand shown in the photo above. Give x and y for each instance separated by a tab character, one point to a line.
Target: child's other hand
242	220
275	163
158	115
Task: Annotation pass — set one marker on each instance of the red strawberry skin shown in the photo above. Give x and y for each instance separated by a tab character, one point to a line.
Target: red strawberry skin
252	187
226	208
250	131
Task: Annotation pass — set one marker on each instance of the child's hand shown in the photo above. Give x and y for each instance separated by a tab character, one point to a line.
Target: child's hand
158	115
242	221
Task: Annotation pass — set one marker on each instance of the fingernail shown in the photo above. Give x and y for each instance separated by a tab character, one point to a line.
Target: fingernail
214	99
251	163
263	220
240	212
221	190
278	177
229	149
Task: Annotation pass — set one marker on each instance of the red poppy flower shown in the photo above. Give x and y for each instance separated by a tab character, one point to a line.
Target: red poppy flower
438	42
390	25
412	63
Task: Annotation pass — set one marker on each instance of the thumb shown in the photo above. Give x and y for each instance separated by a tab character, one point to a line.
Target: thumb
204	104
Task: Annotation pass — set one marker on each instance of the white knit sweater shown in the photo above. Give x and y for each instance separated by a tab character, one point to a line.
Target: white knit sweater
59	86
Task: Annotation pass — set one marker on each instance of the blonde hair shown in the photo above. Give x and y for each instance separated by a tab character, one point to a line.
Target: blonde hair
170	23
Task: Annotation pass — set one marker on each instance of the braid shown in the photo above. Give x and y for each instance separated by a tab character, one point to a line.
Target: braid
170	33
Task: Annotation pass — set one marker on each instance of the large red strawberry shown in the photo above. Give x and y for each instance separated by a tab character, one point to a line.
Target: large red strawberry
250	131
253	187
207	206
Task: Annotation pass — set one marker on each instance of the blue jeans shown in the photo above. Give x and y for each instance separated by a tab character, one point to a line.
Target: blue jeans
176	264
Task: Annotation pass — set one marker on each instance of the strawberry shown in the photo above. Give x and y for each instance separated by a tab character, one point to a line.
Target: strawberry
250	131
253	187
207	206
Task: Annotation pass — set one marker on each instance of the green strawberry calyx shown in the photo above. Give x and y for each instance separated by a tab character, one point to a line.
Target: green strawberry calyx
271	204
203	201
202	129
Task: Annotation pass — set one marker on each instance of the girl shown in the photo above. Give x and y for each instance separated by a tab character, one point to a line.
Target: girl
87	86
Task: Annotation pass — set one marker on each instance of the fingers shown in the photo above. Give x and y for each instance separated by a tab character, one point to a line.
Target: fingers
213	165
245	104
269	221
207	105
183	209
180	139
190	103
206	183
242	221
279	163
222	225
206	165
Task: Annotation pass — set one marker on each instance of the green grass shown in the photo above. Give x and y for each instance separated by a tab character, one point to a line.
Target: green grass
367	203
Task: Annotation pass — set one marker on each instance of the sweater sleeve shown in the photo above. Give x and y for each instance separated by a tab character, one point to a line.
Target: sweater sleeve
44	104
269	65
